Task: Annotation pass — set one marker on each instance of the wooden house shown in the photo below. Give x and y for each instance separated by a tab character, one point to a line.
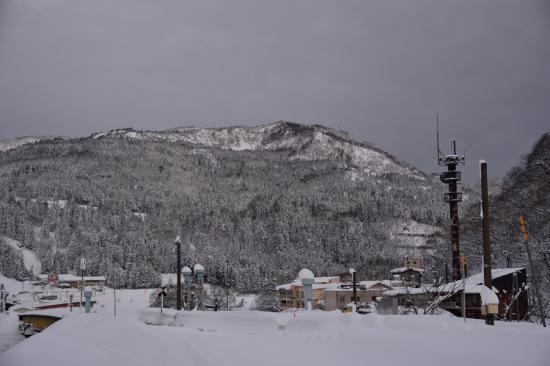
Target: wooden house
509	285
410	276
31	323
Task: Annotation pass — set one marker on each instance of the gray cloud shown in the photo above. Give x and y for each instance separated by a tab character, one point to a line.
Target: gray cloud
379	69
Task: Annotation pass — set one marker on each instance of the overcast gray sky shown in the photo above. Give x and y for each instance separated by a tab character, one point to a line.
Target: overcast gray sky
378	69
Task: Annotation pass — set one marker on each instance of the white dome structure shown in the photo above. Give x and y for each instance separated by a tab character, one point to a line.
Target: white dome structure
198	268
306	274
186	269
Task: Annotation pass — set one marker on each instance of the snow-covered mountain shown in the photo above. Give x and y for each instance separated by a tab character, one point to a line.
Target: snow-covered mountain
302	142
9	144
272	198
14	143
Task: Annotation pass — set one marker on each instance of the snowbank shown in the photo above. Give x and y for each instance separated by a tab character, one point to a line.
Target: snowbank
256	338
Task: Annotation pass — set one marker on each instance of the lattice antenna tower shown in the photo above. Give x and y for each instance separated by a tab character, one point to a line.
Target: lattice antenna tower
452	177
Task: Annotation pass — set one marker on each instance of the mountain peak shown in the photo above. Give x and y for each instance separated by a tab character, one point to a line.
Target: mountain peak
299	141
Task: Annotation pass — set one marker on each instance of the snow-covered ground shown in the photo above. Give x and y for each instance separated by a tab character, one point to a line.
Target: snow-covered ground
411	237
138	336
32	263
9	333
245	302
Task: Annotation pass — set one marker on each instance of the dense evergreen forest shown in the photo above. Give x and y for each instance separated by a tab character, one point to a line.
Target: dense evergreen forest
525	192
253	218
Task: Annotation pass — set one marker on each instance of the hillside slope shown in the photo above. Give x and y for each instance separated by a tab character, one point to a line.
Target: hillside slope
253	205
525	192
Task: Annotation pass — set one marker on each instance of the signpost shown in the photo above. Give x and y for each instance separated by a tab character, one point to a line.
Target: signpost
162	293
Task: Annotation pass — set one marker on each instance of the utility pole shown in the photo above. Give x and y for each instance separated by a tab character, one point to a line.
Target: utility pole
486	222
533	270
2	299
227	283
354	282
451	177
462	264
177	242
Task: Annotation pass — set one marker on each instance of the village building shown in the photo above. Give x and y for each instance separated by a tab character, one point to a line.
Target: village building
340	297
414	263
409	296
330	293
509	285
410	276
71	281
509	295
291	295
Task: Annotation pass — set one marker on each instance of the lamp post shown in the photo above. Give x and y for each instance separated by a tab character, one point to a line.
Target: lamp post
177	242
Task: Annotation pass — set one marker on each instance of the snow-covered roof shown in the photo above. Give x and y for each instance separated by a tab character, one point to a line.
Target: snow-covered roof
404	291
477	279
169	279
372	283
67	277
40	304
405	269
495	273
338	288
488	296
318	283
326	279
57	312
73	278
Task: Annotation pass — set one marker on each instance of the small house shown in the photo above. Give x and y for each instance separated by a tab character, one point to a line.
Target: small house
410	276
509	285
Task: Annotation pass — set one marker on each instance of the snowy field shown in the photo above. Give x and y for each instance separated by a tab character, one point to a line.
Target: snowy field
139	336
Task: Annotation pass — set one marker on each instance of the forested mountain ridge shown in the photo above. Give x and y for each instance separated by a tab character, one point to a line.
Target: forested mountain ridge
301	142
525	192
253	205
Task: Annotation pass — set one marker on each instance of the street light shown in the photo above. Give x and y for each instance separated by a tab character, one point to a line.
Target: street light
177	242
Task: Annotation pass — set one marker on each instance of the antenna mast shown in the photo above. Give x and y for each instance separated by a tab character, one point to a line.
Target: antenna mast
437	134
451	177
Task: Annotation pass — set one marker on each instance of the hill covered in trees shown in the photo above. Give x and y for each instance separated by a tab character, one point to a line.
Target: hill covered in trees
253	205
525	192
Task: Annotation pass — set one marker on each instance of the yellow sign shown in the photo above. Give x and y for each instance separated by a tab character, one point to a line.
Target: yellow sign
523	231
462	261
